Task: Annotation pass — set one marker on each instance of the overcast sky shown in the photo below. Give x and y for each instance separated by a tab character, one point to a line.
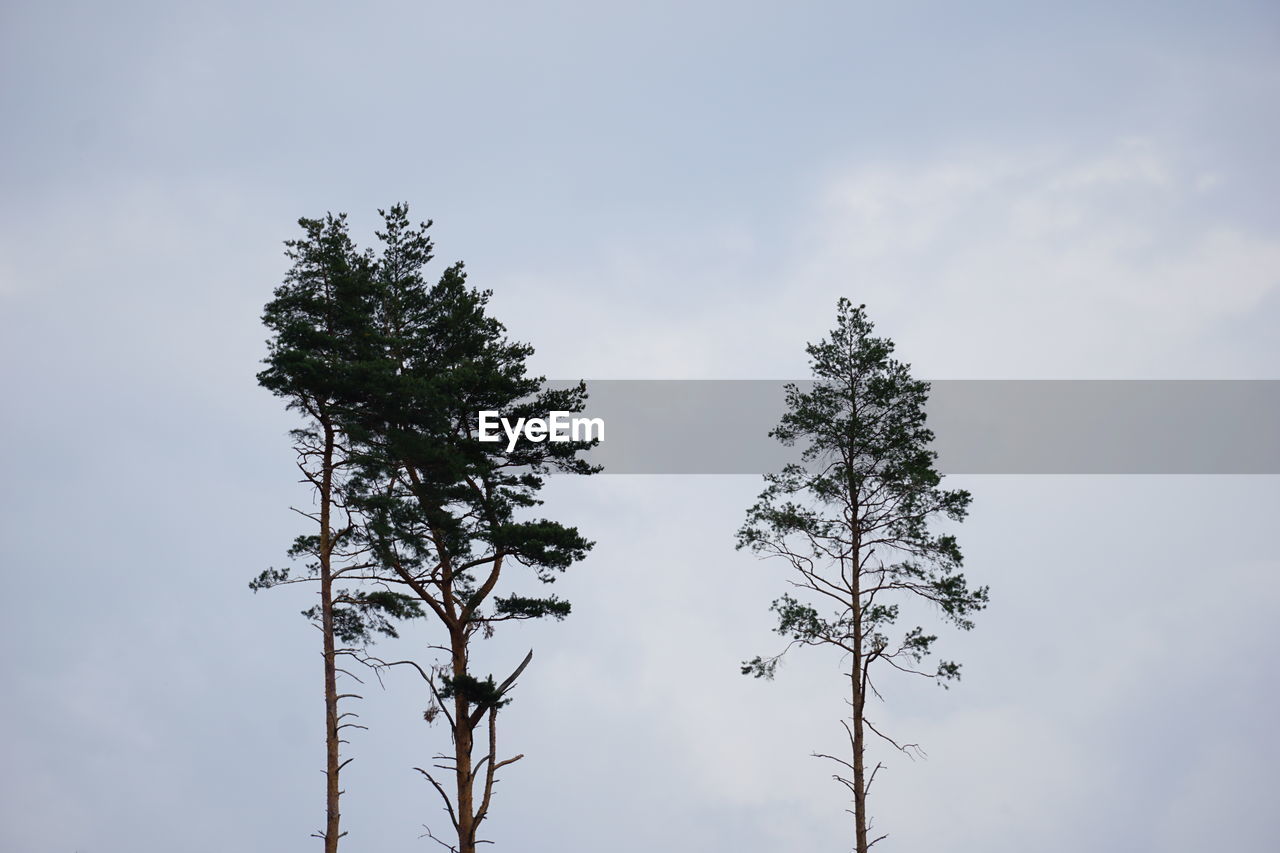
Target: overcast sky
660	190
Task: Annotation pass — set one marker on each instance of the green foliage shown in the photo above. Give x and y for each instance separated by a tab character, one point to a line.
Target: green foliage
760	667
854	522
317	318
417	517
319	355
269	578
483	694
400	368
546	546
441	508
800	621
360	616
853	519
522	607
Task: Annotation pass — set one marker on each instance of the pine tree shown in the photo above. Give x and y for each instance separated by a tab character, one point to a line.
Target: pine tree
319	318
447	517
853	524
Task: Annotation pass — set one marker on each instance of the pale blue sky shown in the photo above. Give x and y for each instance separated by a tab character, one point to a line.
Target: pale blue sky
663	190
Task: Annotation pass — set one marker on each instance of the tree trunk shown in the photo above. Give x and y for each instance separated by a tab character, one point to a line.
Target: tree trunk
858	670
333	765
858	700
463	737
859	770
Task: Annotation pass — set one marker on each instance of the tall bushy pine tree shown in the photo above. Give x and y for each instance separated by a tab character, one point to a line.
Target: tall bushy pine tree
853	523
448	517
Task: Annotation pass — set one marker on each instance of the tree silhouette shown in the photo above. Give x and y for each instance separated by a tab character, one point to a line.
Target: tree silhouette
853	523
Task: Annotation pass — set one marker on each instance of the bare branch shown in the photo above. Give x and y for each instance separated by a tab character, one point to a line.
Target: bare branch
448	803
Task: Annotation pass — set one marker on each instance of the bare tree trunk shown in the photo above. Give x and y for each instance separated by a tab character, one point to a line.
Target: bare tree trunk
463	737
859	773
858	701
333	764
858	671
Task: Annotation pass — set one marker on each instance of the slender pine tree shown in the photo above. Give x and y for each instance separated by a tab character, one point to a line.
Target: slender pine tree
853	524
319	320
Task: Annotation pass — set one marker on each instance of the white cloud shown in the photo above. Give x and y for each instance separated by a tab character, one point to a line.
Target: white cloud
1119	262
1037	265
